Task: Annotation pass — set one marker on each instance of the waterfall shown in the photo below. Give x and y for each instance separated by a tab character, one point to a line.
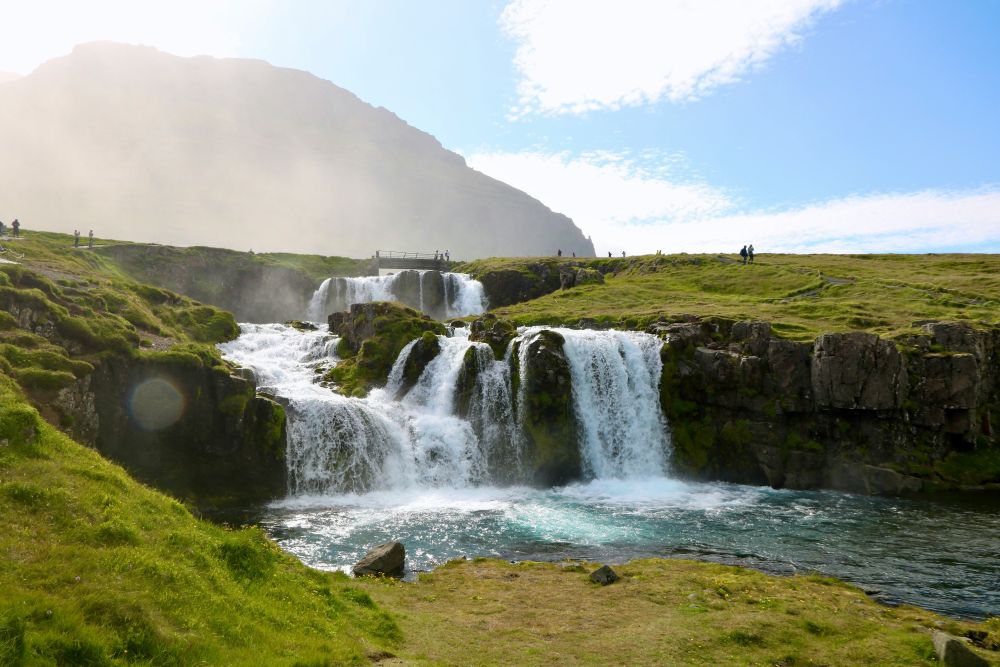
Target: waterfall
457	294
427	437
616	396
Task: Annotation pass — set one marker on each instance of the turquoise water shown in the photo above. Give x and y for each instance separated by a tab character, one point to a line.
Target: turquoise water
941	554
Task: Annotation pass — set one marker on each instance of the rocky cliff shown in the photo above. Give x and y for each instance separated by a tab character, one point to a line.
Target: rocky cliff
139	144
132	371
850	411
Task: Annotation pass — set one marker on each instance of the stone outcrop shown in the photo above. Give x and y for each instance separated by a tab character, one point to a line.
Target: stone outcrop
849	411
385	560
548	419
194	430
953	652
494	332
423	352
371	337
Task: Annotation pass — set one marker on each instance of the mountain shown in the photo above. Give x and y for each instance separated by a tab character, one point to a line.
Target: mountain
140	144
8	76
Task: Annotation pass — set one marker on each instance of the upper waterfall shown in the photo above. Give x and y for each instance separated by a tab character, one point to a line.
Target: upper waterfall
440	295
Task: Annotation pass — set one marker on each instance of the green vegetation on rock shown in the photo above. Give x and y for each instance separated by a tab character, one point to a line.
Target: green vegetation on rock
372	336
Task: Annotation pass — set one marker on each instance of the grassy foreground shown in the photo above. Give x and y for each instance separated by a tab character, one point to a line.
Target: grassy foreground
801	295
662	612
100	570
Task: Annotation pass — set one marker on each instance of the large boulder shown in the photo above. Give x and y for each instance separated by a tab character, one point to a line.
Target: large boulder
604	575
857	371
385	560
953	652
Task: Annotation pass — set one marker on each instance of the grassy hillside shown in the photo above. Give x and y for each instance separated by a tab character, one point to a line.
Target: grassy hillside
100	570
802	295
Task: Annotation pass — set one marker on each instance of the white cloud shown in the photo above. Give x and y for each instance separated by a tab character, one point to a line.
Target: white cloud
625	207
581	55
36	31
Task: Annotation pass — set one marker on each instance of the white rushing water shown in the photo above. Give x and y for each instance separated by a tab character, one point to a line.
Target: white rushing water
456	295
422	436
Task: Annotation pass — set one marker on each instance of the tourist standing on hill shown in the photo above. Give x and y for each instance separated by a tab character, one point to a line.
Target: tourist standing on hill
3	232
623	254
559	252
743	254
16	226
750	253
76	238
91	245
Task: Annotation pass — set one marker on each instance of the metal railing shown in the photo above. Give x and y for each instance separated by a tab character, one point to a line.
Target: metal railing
400	254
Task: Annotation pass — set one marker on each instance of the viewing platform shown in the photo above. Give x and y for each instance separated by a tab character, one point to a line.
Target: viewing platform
417	261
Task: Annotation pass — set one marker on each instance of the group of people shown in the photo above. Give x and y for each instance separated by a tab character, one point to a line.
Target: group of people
446	255
15	228
747	254
76	239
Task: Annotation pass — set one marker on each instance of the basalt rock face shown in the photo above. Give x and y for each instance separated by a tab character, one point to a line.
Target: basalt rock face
548	419
850	411
195	431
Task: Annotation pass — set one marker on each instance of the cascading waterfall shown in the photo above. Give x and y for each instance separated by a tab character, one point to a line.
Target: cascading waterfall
616	381
394	440
440	295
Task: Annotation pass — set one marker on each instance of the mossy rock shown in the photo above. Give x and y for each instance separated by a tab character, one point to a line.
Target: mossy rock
549	419
497	333
372	336
423	352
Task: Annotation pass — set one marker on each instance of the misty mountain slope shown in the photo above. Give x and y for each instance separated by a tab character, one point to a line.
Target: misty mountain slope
139	144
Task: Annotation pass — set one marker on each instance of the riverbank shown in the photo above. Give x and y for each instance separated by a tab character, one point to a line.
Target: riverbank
661	612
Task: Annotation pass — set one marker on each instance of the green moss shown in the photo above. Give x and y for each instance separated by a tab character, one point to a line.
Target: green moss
368	364
736	433
42	379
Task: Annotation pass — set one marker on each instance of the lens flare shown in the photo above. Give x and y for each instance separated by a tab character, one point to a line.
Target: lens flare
156	404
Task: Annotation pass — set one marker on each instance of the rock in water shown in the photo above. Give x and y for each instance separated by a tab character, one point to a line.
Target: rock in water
385	559
604	575
953	652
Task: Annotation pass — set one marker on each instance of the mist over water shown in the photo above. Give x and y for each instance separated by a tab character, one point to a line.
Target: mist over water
391	466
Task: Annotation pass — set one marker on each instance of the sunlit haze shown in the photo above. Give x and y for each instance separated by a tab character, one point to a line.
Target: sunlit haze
796	125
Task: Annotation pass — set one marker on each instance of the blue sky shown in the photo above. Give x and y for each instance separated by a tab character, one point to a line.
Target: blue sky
801	125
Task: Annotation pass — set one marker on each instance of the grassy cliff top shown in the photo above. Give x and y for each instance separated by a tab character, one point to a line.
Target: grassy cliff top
802	295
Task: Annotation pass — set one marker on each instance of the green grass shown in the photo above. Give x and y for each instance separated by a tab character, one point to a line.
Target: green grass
662	612
100	570
802	295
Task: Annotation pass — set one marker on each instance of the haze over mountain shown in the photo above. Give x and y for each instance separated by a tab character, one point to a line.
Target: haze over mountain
142	145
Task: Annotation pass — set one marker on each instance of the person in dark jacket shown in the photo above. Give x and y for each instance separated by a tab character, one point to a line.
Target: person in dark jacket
16	226
743	254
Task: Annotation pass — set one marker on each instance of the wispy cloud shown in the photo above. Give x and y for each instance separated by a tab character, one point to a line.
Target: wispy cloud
576	56
624	206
